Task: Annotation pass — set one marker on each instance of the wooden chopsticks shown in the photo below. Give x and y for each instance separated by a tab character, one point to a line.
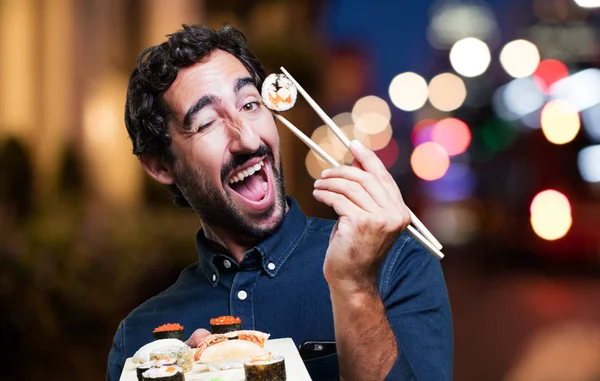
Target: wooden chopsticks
421	233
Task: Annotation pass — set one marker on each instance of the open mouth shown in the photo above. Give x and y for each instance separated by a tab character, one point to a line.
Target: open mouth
251	183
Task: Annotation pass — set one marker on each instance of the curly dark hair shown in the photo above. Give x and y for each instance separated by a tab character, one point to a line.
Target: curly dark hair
146	112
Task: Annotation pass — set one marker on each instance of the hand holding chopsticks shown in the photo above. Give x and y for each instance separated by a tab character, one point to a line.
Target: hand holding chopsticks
422	234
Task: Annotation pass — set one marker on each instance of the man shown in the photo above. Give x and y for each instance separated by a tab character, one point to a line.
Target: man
197	123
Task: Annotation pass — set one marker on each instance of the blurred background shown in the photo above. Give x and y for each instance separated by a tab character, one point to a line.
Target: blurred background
487	113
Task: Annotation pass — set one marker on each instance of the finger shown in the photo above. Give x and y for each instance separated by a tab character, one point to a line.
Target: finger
367	158
374	187
197	337
352	190
372	164
340	204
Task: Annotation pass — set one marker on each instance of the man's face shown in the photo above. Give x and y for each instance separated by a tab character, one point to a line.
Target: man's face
226	147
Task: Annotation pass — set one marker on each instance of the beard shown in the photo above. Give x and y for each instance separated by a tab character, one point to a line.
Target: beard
215	207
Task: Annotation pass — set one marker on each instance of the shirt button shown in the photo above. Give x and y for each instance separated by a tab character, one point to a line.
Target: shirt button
226	263
242	295
271	266
214	277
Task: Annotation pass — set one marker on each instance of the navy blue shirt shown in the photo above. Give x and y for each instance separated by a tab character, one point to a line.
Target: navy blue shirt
279	288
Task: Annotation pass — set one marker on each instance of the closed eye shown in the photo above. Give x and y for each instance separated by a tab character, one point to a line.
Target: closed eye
204	126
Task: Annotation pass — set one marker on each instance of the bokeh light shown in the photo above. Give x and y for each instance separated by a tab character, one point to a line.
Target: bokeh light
315	165
342	119
345	123
456	185
329	144
550	215
320	134
588	3
518	98
408	91
496	135
421	132
560	121
429	161
389	154
452	134
548	72
447	92
470	57
371	114
588	162
379	141
591	122
581	89
452	223
520	58
452	21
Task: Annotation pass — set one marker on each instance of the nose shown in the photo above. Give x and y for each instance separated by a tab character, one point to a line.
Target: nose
244	138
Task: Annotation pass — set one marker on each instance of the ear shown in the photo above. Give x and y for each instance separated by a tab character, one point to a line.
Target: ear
157	168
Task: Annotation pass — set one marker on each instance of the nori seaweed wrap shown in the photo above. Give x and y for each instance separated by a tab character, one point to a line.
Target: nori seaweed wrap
164	373
169	331
224	324
142	368
270	368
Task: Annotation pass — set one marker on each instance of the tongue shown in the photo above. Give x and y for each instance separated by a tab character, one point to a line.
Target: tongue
251	188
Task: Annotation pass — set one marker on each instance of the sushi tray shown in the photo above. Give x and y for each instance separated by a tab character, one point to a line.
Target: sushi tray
294	367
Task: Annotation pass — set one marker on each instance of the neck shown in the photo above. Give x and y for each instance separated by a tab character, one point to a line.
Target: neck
222	240
232	243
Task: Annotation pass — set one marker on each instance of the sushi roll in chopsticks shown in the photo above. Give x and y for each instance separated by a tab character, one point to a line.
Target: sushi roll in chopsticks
169	331
224	324
268	368
279	93
164	373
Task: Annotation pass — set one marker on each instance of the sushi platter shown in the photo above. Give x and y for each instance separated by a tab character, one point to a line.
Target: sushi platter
294	367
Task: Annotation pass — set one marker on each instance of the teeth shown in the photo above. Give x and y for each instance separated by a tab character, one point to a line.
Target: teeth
265	186
247	172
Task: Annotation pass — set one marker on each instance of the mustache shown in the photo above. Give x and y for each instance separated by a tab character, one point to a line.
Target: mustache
239	160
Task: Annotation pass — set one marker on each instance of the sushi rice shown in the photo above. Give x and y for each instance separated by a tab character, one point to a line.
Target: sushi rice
279	93
169	372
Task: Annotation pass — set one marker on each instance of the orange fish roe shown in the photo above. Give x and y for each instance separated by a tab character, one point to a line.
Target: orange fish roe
225	320
169	327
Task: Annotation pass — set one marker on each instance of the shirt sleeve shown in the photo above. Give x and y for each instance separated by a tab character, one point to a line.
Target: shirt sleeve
414	293
115	357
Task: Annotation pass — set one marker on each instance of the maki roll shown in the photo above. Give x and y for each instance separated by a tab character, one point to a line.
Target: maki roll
268	368
142	368
168	331
279	93
143	354
182	356
164	373
224	324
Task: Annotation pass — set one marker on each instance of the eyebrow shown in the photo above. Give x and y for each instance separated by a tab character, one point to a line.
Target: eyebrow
209	99
242	82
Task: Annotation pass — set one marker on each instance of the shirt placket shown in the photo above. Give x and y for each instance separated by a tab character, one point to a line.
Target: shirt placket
242	290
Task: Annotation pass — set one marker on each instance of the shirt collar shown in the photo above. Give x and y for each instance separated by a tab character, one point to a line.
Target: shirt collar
274	250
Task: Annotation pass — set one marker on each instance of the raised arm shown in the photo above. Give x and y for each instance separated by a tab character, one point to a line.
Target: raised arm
372	217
